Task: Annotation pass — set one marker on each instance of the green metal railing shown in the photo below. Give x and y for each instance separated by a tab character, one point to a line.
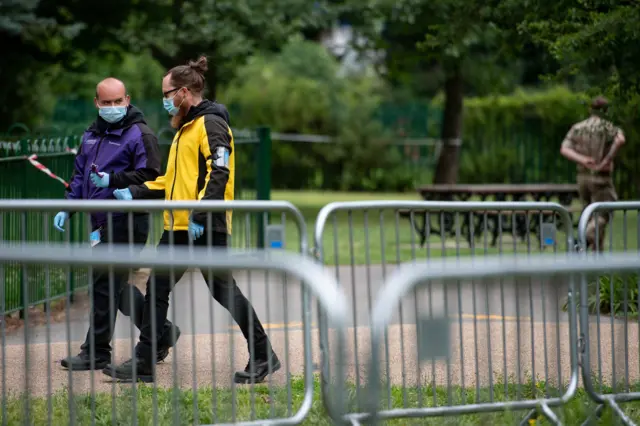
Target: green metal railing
21	180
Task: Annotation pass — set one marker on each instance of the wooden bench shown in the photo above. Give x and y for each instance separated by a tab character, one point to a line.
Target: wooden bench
519	223
562	193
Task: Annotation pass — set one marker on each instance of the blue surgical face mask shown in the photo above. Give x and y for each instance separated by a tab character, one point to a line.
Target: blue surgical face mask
169	106
113	114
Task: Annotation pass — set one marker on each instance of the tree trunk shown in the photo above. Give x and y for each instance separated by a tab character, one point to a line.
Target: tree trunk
448	162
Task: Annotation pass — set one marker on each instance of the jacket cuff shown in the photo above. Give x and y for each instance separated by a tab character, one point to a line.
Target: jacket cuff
112	180
134	190
199	218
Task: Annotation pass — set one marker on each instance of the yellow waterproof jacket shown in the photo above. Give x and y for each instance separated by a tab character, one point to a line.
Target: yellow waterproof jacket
201	166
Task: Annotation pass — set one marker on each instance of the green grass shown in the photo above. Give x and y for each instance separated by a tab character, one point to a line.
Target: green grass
217	406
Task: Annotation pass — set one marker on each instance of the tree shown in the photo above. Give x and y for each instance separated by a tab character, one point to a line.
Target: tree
448	38
50	44
42	39
226	31
595	41
597	44
31	42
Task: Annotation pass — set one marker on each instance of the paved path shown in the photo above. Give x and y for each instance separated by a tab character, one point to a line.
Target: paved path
486	340
278	302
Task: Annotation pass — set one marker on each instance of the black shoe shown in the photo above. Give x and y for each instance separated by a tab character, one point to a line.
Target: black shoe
82	362
259	371
143	371
163	352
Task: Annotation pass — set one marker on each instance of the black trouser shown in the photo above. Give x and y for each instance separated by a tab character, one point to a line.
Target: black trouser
119	294
223	289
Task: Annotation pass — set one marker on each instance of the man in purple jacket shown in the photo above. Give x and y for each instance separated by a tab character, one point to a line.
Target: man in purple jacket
117	150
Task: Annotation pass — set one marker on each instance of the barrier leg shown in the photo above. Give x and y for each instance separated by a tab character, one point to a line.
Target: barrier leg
618	412
591	420
549	414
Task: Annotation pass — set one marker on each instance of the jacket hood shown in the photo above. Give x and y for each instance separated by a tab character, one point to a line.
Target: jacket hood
134	116
207	107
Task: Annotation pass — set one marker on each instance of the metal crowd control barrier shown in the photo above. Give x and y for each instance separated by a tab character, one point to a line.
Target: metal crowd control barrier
364	246
53	281
612	347
32	220
26	366
605	211
435	340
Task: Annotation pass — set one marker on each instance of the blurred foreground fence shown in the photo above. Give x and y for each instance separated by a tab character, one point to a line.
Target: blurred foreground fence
36	392
481	335
540	344
427	335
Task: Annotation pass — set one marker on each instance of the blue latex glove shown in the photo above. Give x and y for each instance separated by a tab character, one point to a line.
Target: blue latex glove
100	182
123	194
195	230
59	220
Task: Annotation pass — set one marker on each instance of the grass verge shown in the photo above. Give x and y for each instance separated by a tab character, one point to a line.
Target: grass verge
209	406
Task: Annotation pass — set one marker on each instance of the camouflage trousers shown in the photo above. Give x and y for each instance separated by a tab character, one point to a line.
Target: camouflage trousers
595	189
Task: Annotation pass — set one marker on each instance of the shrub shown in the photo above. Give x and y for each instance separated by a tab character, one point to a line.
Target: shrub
499	165
613	294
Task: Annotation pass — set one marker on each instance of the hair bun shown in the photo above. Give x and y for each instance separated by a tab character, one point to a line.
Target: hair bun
200	65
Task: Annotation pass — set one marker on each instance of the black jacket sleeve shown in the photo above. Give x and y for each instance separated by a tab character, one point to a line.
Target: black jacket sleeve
153	189
215	152
74	190
145	162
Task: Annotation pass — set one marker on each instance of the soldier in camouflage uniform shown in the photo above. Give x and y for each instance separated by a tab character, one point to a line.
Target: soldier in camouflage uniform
593	144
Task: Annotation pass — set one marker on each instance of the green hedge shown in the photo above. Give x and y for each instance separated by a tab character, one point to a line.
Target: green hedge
516	138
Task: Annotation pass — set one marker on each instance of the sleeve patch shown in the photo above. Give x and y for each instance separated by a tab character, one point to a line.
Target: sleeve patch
222	157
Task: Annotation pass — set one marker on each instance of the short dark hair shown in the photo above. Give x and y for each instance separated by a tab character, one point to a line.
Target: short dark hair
190	76
600	104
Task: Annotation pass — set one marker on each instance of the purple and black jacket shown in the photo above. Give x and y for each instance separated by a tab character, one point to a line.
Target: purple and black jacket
128	151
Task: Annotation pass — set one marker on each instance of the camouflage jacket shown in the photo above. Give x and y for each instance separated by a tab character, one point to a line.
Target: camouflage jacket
592	137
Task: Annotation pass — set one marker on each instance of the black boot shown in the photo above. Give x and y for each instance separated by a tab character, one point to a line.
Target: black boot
256	372
142	370
163	348
82	362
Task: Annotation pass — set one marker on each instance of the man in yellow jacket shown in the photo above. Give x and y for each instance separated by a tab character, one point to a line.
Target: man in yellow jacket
200	166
